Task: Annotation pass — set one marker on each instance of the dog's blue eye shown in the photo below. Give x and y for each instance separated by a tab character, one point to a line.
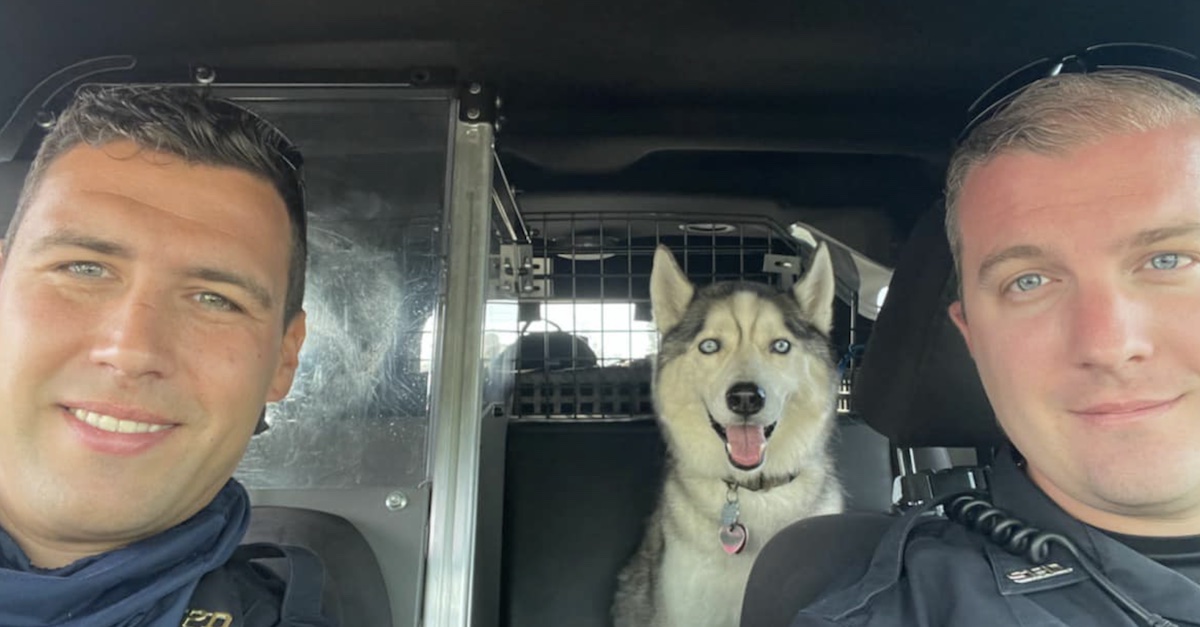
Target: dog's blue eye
709	346
781	346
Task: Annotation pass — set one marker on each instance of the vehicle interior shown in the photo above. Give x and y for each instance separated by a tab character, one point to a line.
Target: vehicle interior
471	437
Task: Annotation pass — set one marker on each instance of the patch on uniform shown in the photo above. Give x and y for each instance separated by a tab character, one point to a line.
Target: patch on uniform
1038	573
204	618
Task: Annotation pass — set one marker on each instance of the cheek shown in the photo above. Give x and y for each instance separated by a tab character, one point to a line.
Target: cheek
1175	329
781	369
707	375
37	303
1010	345
686	378
36	324
1019	365
227	363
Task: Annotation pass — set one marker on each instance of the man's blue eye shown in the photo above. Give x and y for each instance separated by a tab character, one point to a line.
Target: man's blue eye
85	268
1165	261
1029	282
216	301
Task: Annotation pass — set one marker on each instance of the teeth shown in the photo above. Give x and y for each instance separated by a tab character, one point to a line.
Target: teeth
113	425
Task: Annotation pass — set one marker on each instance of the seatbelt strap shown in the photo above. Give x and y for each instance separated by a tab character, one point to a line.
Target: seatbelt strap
305	578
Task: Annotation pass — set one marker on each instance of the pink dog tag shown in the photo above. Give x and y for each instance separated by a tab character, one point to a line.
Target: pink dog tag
733	538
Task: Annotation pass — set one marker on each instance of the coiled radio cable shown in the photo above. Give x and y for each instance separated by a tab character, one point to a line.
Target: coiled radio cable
1019	538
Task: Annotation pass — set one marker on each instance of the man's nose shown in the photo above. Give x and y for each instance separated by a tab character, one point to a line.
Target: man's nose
1110	328
132	337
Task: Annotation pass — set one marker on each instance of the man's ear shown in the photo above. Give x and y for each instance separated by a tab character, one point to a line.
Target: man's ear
959	315
289	358
670	290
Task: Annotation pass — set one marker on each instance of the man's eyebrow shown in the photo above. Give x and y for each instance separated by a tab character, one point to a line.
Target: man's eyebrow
74	239
256	290
1150	237
1008	254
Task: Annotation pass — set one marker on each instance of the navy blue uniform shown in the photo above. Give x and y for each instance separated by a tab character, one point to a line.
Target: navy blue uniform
245	593
930	571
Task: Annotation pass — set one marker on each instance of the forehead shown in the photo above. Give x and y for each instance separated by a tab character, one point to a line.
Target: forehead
160	205
758	307
1104	189
747	308
148	186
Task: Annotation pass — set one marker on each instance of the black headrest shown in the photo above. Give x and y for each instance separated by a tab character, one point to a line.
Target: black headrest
917	384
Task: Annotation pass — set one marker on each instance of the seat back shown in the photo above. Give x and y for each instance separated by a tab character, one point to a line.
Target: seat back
577	497
864	466
354	592
803	560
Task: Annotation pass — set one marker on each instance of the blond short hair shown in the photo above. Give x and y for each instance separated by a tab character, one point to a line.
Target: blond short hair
1060	113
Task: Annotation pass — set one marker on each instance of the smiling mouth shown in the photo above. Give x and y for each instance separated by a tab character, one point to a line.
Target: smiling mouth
744	444
1131	407
1119	413
115	425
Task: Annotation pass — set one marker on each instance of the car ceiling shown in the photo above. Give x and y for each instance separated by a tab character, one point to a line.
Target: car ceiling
636	95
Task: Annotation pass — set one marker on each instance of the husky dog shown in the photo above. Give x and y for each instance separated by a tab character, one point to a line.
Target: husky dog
744	387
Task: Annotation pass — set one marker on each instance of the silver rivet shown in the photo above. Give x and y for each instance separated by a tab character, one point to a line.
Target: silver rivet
499	103
475	88
396	501
472	113
205	75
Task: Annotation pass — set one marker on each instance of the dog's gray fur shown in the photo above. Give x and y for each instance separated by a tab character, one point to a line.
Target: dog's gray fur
681	576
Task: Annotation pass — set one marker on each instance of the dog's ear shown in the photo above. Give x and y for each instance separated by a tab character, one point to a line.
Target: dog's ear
814	291
670	290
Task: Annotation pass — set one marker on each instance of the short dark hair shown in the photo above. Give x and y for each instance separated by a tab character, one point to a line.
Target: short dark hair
189	123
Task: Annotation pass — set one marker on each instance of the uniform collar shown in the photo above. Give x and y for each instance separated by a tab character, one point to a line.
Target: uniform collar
1155	586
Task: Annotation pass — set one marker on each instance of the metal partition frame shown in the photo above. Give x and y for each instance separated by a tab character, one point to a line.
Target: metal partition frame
457	408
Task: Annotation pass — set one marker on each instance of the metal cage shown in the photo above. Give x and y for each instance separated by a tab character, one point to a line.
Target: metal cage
580	337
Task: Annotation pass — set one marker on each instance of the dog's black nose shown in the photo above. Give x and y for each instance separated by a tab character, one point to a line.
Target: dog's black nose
745	399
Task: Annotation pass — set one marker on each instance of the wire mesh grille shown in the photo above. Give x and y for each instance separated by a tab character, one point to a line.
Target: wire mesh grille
582	338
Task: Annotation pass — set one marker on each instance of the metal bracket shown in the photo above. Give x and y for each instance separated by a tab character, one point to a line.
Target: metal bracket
788	267
478	103
925	486
517	273
845	392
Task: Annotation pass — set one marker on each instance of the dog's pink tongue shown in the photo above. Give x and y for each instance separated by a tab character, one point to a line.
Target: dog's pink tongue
745	444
